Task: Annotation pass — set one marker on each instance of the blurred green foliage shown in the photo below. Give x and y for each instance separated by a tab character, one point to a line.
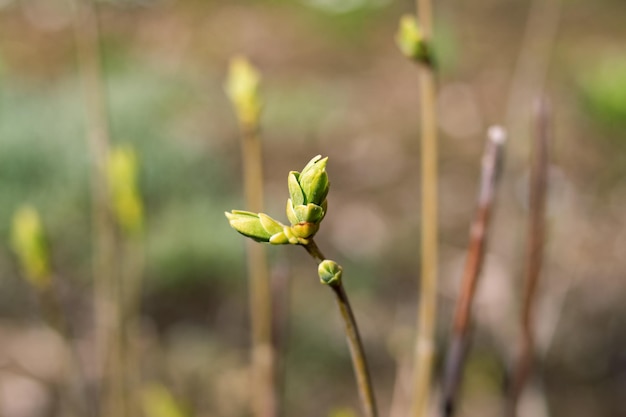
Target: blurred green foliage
603	89
44	160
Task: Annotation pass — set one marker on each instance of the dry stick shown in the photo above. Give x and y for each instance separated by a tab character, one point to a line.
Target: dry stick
264	402
357	353
427	309
491	168
87	38
535	246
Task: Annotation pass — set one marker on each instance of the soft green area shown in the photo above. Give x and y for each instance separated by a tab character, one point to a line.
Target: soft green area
604	92
44	160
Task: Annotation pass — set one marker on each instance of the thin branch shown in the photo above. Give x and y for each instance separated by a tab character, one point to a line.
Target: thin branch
357	352
538	188
87	38
427	308
264	402
491	168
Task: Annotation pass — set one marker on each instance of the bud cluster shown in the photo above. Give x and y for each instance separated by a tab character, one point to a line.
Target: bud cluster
306	208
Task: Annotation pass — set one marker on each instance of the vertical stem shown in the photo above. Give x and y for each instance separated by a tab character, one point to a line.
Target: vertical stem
87	38
427	309
491	167
357	353
535	246
264	402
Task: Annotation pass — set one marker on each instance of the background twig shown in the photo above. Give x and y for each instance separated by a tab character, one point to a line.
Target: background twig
535	246
427	308
491	168
107	314
263	388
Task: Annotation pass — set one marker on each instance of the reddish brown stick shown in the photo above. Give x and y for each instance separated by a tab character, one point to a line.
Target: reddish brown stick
491	163
538	188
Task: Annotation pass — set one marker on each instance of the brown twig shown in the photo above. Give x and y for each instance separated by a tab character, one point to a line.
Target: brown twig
535	247
491	168
357	353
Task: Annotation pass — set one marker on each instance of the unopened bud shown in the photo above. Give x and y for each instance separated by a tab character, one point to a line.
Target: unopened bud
329	272
242	88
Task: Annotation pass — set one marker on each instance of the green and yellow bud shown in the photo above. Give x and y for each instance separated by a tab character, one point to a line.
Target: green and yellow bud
411	41
329	272
259	227
242	87
122	170
314	181
28	242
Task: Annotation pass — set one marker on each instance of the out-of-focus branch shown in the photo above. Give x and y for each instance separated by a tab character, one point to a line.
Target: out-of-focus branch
106	312
538	188
491	168
427	307
242	88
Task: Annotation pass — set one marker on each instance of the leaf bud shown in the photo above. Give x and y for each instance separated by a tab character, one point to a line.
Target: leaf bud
329	272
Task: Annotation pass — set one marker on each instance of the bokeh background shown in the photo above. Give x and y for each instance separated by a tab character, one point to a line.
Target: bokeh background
333	84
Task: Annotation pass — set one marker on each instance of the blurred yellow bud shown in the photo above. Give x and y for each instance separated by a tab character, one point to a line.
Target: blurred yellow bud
28	242
242	87
157	401
411	41
122	169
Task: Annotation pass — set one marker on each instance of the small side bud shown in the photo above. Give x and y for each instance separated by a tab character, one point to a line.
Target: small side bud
242	87
28	242
329	272
259	227
411	42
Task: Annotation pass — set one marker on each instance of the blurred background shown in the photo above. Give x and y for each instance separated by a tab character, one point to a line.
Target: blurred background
335	84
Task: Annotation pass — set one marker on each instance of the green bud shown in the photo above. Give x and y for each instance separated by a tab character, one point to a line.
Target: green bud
314	181
295	191
259	227
329	272
411	42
